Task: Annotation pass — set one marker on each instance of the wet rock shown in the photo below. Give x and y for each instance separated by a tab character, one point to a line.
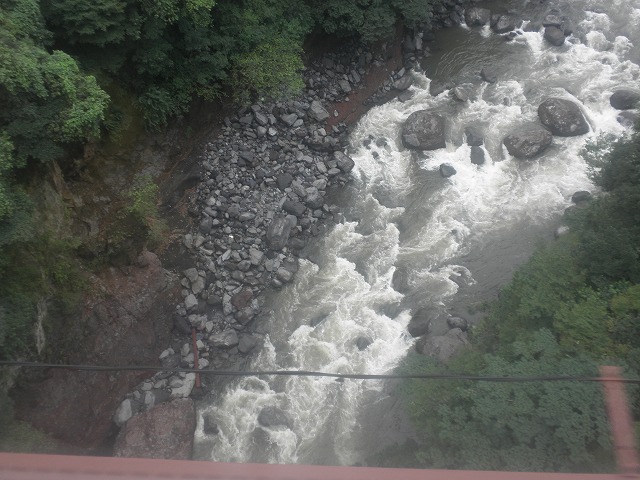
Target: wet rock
581	196
628	118
473	137
458	322
477	155
274	417
488	75
443	347
294	208
247	343
527	143
563	117
210	424
420	323
362	343
278	233
502	23
403	83
625	99
477	17
166	431
554	35
344	162
225	340
447	170
424	130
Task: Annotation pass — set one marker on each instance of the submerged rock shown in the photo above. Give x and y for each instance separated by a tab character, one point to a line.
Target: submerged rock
554	35
477	17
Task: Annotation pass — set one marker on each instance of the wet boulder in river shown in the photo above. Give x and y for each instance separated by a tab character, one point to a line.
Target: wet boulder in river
423	130
528	143
502	23
625	99
563	117
477	17
420	323
447	170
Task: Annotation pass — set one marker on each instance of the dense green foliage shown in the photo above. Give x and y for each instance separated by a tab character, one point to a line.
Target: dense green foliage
575	304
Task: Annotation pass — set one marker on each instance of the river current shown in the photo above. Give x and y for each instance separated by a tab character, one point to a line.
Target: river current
455	241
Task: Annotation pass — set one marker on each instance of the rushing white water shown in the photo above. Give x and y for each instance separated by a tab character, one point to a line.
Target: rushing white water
403	214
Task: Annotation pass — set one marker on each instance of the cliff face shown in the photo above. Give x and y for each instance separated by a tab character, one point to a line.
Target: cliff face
127	317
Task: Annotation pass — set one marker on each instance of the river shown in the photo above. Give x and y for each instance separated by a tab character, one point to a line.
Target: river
455	240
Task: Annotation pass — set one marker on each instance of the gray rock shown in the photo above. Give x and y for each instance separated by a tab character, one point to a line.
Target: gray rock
191	274
210	424
563	117
314	200
477	155
123	413
625	99
628	118
284	275
458	322
344	162
278	233
581	196
443	347
317	111
289	119
527	143
344	85
420	323
554	35
473	137
502	23
184	391
274	417
294	208
423	130
190	302
261	119
403	83
255	256
477	17
447	170
247	343
284	180
225	340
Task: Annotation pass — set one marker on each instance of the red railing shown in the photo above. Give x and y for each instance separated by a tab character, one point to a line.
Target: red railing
59	467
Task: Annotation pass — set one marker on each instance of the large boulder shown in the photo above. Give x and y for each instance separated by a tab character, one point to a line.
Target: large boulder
443	347
477	17
502	23
563	117
423	130
420	323
625	99
528	143
278	233
344	162
165	431
317	111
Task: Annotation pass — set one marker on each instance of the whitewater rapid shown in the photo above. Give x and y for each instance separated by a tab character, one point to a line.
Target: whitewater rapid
475	226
